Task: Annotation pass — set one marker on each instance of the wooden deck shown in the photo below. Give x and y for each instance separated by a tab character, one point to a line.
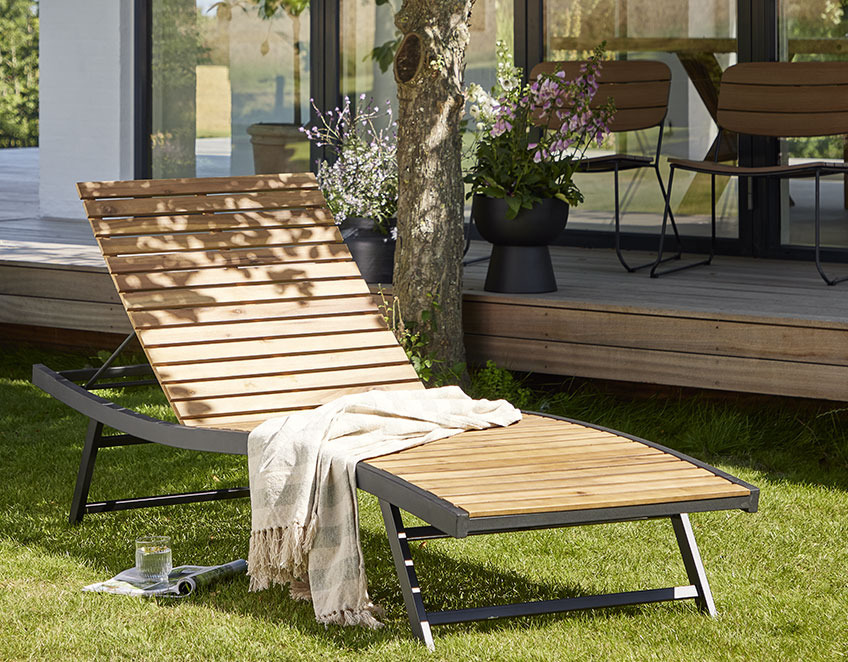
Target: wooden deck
760	326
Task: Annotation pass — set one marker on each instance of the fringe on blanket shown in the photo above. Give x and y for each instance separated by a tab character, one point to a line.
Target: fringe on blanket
366	617
279	555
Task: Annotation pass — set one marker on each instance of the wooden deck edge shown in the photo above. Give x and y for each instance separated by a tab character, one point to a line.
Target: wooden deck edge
478	296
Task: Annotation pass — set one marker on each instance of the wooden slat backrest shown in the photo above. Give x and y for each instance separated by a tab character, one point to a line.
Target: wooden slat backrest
639	89
243	295
785	99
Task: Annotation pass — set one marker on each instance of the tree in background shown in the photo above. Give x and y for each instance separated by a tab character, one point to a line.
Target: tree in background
18	73
429	67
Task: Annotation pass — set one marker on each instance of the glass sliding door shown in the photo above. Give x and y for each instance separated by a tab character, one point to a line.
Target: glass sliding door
813	30
697	39
225	82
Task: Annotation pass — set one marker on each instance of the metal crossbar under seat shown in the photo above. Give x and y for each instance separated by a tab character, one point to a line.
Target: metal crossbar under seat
420	619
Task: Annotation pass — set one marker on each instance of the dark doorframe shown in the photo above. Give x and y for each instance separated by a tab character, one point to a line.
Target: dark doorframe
142	88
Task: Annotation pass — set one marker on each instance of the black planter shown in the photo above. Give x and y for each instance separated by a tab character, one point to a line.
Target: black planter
520	261
373	252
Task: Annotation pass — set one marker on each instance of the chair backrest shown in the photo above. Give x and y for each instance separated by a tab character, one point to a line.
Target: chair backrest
639	89
243	295
791	99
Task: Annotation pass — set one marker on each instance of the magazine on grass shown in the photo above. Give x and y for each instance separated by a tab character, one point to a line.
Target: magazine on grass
182	581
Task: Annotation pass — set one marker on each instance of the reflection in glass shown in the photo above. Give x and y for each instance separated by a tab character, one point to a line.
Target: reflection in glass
218	70
814	30
697	40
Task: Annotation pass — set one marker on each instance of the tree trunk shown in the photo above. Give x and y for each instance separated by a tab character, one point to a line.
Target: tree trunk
429	67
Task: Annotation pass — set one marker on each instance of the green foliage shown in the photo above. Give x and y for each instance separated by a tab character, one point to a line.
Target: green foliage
778	576
516	159
411	337
18	73
494	383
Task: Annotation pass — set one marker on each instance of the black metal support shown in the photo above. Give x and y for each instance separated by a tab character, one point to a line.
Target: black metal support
86	469
692	561
418	620
828	280
108	362
421	621
666	213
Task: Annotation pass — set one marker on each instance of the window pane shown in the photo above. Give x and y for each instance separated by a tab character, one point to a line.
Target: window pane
697	40
221	74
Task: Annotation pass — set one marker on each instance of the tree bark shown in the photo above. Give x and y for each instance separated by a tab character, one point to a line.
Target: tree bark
429	67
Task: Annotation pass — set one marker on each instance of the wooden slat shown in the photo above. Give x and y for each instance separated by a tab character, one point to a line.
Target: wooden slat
208	203
205	241
656	366
237	275
270	403
297	308
787	73
784	124
208	296
784	99
212	333
541	485
612	71
186	185
426	474
291	346
582	501
274	365
272	218
644	330
227	257
297	382
509	477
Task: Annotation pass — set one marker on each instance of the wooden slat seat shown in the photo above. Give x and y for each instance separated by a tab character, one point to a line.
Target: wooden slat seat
241	322
544	465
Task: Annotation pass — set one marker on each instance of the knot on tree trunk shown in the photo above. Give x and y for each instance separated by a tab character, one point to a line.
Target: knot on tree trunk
409	58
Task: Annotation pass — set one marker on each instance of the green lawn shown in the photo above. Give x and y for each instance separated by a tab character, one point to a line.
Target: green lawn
780	577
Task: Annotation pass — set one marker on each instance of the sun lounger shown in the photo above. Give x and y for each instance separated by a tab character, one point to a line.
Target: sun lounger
248	306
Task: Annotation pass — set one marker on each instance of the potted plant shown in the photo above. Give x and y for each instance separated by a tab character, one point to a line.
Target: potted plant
273	142
361	182
521	179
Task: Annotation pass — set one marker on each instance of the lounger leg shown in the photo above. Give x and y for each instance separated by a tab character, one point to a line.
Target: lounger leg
86	468
418	619
692	561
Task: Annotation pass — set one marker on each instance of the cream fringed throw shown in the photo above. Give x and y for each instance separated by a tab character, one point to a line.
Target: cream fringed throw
303	487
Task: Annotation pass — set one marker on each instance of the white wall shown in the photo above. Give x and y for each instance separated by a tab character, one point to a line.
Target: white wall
86	98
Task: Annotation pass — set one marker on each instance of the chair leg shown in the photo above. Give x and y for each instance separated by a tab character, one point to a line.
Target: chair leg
829	281
418	618
692	561
618	252
666	214
86	469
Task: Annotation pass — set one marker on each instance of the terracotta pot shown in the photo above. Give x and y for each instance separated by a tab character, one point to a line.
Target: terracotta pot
520	261
274	148
373	252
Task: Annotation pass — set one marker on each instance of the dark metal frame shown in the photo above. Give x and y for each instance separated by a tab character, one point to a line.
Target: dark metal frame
444	519
797	172
618	162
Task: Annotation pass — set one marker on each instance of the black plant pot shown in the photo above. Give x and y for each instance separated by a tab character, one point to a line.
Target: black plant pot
373	252
520	261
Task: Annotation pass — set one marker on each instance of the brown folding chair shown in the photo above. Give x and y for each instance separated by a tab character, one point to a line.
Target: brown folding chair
639	89
777	100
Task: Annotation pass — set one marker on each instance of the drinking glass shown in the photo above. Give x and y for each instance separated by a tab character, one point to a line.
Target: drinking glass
153	557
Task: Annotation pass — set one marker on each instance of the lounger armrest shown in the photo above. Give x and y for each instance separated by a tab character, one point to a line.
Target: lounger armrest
135	424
